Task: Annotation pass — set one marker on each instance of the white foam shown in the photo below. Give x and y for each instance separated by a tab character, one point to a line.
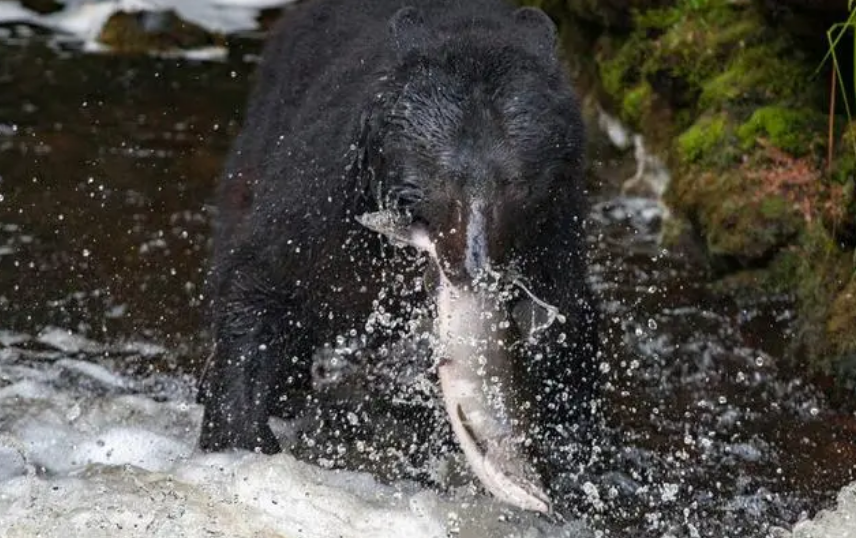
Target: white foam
839	522
79	464
96	372
66	341
10	338
13	12
618	134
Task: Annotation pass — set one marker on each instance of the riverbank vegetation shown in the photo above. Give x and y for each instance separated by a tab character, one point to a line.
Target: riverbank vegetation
750	110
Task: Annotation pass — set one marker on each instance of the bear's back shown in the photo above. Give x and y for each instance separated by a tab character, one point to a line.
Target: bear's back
324	51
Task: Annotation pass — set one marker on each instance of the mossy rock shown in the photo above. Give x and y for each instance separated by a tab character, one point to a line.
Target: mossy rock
823	274
637	102
783	272
761	73
147	31
749	231
740	224
677	53
847	227
695	41
841	323
619	60
709	140
734	106
796	131
844	167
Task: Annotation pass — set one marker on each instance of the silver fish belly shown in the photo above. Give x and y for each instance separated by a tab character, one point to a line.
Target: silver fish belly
473	368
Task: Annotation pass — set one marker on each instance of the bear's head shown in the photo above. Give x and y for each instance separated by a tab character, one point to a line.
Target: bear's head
483	137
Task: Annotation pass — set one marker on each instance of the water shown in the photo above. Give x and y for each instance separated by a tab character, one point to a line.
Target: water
707	432
107	165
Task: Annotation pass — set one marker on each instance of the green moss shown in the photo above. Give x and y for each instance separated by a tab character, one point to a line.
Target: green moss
705	80
783	271
775	207
841	323
822	272
844	167
704	137
636	102
761	73
792	130
618	64
738	31
747	230
738	226
658	19
661	18
695	38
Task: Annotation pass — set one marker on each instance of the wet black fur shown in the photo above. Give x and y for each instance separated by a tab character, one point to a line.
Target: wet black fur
359	106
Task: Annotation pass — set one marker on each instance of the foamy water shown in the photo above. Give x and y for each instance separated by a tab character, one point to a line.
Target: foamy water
85	451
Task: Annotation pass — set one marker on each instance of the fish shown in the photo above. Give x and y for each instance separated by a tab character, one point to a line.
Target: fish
474	362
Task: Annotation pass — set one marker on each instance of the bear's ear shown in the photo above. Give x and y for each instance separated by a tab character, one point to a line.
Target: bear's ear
408	31
542	29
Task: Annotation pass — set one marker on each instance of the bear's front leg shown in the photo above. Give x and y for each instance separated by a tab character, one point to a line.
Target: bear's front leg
236	394
248	372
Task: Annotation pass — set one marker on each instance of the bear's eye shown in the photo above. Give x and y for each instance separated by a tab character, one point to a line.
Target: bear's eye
406	195
410	197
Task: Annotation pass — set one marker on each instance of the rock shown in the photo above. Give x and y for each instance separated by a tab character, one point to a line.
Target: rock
43	7
146	31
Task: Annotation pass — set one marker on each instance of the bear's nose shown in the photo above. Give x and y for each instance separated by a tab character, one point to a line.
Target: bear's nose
475	251
463	246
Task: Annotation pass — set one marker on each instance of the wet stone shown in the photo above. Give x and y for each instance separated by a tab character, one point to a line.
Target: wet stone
146	31
43	7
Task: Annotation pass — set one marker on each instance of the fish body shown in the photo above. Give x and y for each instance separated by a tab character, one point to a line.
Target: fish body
475	374
472	371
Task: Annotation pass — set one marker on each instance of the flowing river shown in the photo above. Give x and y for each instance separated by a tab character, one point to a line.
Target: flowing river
107	164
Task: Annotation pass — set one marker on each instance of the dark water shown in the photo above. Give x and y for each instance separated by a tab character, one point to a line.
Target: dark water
106	167
706	432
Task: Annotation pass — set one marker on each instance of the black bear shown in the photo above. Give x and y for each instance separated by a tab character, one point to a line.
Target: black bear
457	113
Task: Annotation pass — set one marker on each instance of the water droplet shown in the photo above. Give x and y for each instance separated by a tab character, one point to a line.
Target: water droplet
652	324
